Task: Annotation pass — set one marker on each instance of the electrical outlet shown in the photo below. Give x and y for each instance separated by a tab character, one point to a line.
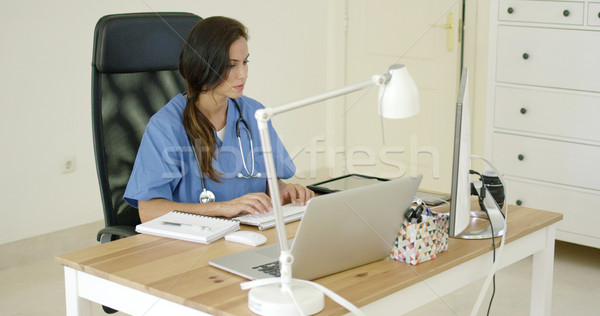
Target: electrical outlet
68	164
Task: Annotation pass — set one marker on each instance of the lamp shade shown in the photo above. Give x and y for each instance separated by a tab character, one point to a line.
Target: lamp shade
399	97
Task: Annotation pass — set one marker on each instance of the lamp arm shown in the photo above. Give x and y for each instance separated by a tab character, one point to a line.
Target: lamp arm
264	115
267	149
268	113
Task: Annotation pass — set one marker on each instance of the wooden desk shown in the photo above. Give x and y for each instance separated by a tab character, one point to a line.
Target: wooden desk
158	276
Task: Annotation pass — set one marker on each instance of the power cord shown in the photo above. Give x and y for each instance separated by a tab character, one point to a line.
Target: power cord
481	197
493	260
492	275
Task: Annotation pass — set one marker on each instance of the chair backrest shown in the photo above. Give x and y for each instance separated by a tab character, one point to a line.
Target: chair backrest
134	73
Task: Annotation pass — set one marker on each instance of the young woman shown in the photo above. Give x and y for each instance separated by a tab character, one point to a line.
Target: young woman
204	145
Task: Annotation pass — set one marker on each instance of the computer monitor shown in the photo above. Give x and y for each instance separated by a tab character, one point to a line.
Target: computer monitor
460	196
465	223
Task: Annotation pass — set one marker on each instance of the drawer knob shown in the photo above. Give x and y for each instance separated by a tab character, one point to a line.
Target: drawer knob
510	10
525	56
519	202
566	13
523	111
520	157
599	15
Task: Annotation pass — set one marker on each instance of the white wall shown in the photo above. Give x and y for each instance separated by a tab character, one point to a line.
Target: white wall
45	94
297	49
476	58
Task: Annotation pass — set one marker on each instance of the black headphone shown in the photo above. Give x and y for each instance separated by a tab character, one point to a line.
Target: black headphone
414	213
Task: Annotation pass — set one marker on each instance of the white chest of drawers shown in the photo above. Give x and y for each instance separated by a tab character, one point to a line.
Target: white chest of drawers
543	110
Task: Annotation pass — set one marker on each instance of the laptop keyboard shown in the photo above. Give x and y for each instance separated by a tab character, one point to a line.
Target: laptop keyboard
291	213
271	268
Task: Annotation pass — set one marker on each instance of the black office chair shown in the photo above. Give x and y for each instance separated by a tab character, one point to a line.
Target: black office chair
135	71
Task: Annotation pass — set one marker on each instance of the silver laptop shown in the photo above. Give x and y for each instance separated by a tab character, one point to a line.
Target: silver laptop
339	231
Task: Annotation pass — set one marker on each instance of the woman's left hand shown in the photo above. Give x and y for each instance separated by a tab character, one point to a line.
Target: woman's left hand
294	193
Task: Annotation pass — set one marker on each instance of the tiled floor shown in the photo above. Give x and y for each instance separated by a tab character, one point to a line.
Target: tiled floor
576	287
34	286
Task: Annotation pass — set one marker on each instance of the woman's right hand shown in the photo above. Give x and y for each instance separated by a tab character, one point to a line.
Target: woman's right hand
251	203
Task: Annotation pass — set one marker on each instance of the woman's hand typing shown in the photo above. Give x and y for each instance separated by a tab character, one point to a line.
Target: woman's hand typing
251	203
294	193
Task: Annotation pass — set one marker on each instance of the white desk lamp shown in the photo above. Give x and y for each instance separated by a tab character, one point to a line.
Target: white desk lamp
398	98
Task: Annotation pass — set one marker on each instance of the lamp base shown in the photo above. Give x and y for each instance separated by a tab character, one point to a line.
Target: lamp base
272	299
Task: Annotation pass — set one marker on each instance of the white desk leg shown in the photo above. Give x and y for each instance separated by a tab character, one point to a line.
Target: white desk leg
75	305
541	276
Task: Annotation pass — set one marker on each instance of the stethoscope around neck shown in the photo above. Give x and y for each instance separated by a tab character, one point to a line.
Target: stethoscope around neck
206	196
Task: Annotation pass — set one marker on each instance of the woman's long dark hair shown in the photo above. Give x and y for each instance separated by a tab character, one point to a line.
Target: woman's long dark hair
204	63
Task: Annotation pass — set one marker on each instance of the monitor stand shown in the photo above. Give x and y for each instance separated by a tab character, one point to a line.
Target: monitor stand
479	226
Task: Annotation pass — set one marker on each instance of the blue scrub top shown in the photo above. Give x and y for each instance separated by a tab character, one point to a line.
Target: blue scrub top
165	166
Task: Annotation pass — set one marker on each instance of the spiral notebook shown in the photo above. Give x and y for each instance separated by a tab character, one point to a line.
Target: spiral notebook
190	227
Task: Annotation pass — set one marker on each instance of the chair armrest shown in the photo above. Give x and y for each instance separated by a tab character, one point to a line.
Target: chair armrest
109	233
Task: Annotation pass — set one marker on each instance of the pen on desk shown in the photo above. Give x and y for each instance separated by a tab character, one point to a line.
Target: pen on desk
204	228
